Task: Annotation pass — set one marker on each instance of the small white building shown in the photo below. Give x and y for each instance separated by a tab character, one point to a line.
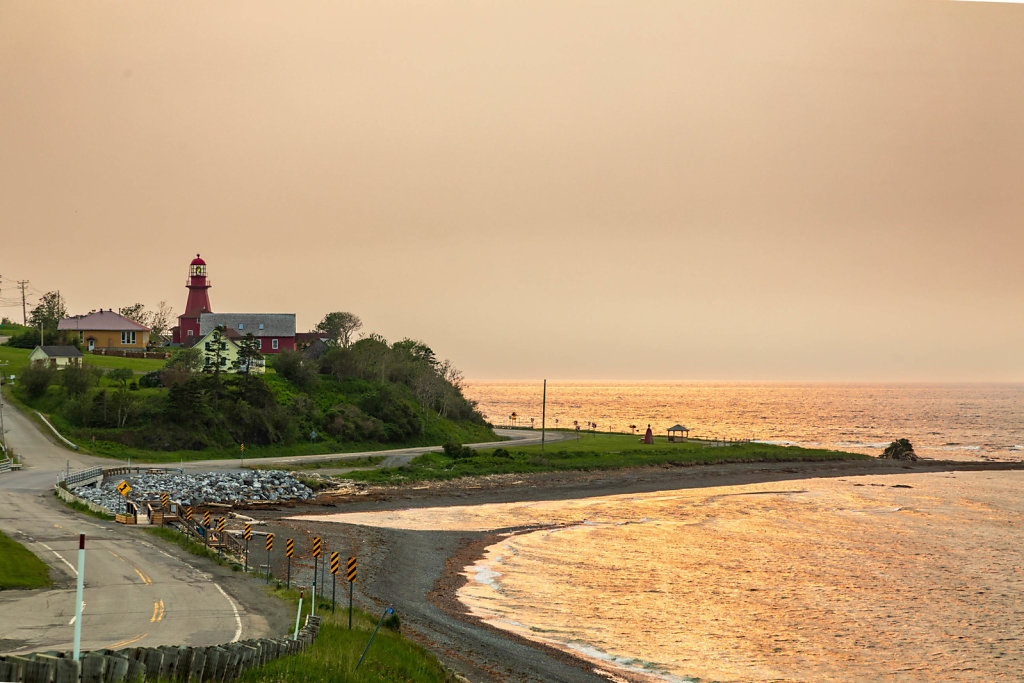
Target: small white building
55	356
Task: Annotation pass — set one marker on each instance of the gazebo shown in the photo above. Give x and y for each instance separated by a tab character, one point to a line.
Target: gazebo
678	433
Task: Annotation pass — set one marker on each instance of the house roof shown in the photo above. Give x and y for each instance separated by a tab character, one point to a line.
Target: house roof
230	338
60	351
274	324
100	320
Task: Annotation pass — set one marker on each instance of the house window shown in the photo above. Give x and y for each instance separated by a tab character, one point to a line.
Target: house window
207	346
241	326
190	333
81	337
261	326
128	337
273	344
260	347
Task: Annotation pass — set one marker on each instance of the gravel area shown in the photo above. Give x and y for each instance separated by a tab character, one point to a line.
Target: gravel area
198	488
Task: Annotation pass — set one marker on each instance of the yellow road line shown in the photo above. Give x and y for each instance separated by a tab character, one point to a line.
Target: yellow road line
156	608
145	579
126	642
159	618
158	611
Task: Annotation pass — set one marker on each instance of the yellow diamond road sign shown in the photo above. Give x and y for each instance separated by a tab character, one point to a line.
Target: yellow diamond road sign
123	488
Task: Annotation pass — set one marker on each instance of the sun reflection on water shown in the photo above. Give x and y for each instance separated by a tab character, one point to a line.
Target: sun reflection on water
908	577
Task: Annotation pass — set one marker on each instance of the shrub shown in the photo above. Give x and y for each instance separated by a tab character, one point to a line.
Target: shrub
35	379
347	423
76	379
457	451
151	380
392	622
501	453
121	375
290	365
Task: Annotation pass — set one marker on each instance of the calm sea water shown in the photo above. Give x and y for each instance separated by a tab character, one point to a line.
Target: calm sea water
914	577
961	421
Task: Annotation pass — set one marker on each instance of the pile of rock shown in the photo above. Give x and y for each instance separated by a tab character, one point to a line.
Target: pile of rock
198	488
900	449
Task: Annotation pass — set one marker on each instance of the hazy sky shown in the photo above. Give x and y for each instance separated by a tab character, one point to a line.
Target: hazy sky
664	189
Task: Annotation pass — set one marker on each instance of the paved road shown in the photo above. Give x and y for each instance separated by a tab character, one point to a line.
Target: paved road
135	592
393	458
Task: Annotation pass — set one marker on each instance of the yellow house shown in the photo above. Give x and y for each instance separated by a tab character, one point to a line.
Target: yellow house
104	330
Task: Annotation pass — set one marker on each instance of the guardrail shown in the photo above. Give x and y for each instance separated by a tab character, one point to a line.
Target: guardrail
54	430
5	465
70	480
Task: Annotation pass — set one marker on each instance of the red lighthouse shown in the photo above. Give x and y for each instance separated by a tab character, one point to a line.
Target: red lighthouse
198	303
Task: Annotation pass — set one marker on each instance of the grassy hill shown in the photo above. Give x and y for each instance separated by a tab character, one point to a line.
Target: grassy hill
371	396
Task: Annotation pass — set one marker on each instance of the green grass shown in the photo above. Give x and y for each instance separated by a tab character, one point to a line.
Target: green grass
336	651
603	451
367	461
138	365
17	359
111	449
19	568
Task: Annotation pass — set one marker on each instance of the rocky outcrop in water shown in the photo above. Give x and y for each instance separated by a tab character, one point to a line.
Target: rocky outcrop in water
901	449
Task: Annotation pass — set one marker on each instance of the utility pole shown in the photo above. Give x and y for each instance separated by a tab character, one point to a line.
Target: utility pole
543	414
3	432
24	315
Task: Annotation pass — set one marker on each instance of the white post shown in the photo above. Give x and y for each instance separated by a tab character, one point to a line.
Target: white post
78	596
312	602
296	636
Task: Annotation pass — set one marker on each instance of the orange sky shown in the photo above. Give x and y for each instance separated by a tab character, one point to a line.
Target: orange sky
713	189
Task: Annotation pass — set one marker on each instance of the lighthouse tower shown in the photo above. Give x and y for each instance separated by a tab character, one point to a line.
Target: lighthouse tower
198	303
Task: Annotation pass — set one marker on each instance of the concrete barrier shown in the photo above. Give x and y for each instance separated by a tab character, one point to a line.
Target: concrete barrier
69	497
166	663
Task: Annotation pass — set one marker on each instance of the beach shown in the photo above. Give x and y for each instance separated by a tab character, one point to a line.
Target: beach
420	572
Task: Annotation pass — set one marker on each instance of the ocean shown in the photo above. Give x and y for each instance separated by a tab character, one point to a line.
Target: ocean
910	577
942	421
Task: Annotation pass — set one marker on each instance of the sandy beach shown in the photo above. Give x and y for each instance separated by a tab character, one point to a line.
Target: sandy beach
419	572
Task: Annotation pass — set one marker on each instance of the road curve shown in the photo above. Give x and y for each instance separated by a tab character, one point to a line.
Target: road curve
136	593
393	458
